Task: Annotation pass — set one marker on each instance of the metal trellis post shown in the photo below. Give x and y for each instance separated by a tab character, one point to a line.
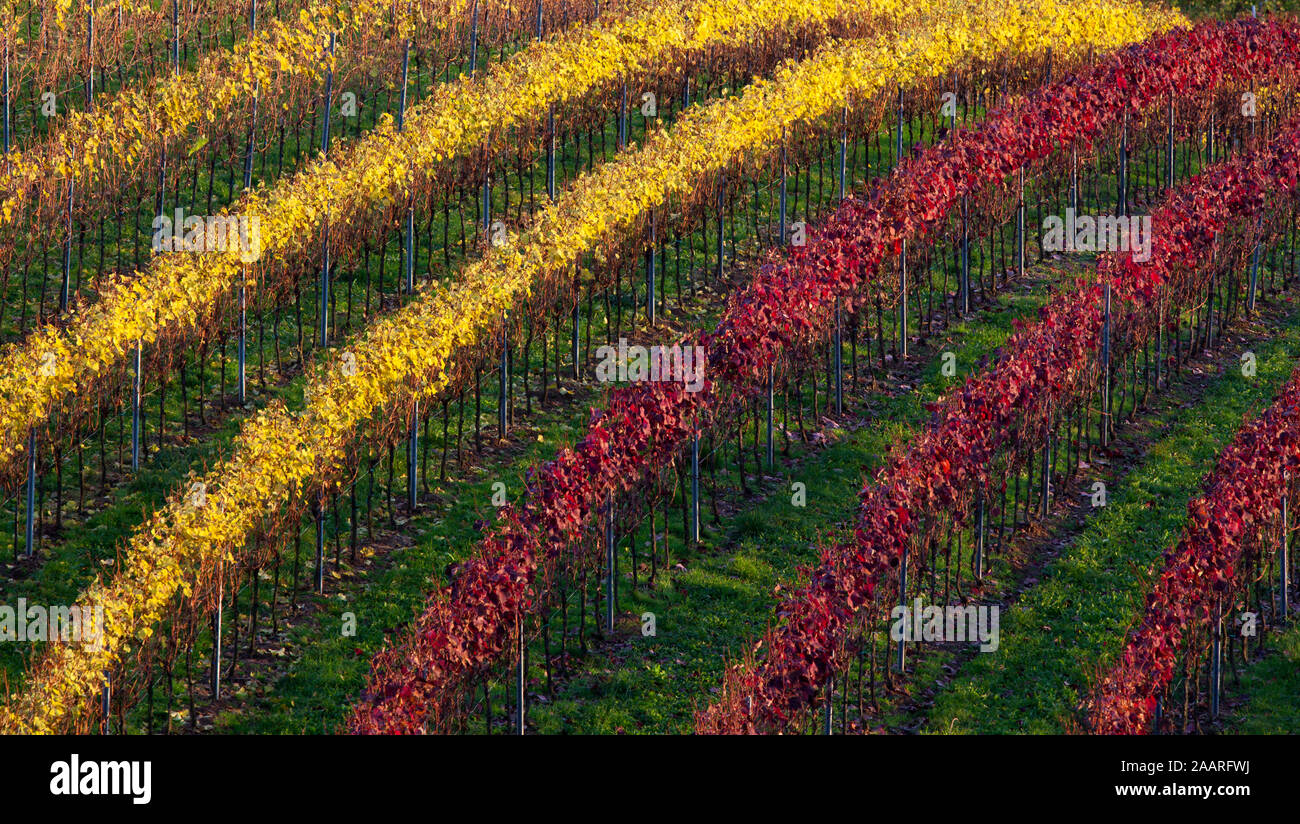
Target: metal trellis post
503	385
622	119
965	256
902	601
649	276
695	488
31	493
1105	373
1021	227
781	237
1284	571
1216	661
839	359
413	457
844	151
771	414
609	563
521	676
215	675
136	407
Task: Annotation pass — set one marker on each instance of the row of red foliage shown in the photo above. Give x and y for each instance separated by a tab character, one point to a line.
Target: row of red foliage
1225	527
1048	365
469	625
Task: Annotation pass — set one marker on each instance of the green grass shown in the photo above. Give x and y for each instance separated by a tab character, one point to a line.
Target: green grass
1063	632
1267	699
